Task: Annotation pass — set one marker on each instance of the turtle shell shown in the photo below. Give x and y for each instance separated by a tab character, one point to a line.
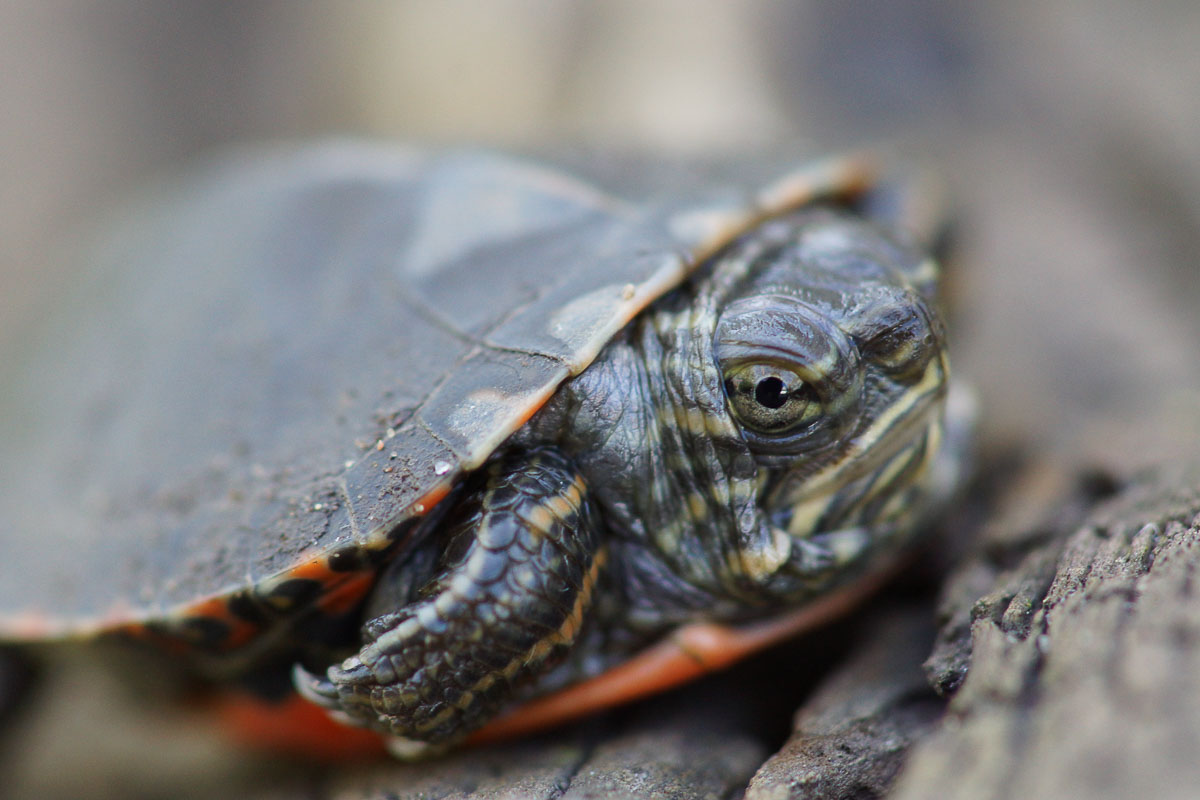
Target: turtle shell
234	410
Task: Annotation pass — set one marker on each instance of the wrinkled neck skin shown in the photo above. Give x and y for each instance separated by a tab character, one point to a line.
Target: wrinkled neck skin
682	495
676	502
677	486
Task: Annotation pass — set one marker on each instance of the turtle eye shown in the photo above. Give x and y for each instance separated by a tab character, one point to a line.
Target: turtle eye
791	375
770	399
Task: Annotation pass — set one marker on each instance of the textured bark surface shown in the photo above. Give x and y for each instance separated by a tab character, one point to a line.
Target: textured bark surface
704	746
659	761
1084	657
852	735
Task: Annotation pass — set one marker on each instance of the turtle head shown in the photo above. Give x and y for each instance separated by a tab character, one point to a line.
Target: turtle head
833	365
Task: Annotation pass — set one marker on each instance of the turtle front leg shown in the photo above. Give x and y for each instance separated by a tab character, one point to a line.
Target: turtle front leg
516	575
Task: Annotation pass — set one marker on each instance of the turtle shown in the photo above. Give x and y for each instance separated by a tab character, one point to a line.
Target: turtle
453	441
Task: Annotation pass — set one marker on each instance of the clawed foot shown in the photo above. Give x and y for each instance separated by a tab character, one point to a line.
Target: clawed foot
522	563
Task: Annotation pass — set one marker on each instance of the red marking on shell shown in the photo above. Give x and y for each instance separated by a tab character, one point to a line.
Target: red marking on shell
241	632
427	501
176	646
535	406
343	598
238	632
294	727
316	568
136	630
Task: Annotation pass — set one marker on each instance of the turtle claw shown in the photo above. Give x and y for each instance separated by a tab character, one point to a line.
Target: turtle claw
317	689
335	691
353	672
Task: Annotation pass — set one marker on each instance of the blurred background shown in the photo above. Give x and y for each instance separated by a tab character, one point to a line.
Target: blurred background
1068	132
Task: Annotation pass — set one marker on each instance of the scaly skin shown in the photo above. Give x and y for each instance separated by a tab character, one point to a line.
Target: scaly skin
519	564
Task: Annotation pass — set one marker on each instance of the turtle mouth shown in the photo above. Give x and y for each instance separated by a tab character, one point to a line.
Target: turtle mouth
887	455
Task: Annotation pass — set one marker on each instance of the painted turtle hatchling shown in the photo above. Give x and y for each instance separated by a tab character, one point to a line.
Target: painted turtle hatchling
443	435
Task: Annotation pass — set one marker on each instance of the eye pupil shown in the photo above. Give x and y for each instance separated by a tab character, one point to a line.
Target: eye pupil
771	392
770	399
